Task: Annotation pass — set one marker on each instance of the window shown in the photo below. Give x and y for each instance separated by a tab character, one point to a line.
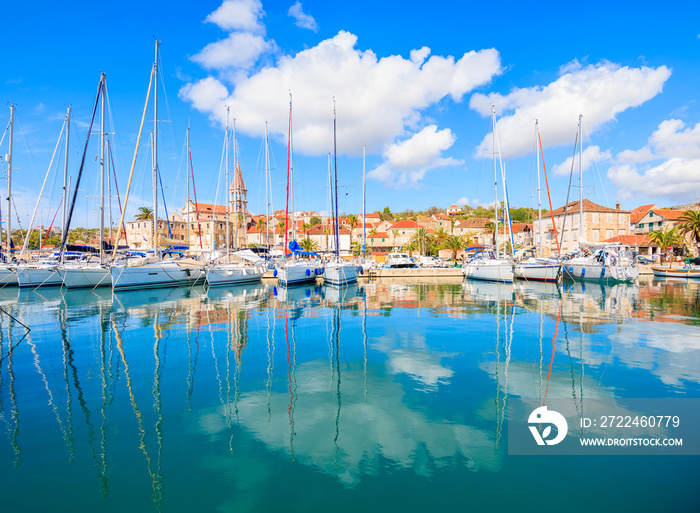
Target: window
641	225
651	214
221	226
596	217
596	235
610	218
382	239
609	234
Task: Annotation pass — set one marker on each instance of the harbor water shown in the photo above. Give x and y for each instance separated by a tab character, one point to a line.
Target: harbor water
388	395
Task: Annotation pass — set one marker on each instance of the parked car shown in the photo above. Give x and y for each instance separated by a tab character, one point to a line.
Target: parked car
643	260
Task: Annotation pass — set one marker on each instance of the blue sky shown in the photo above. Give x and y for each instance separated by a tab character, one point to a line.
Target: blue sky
413	82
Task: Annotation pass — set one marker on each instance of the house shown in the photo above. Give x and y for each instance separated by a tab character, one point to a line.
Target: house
657	219
454	210
475	229
324	237
599	222
404	230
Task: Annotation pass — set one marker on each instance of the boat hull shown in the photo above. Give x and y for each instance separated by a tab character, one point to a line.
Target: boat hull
85	277
666	272
154	276
8	275
537	272
340	274
38	277
595	271
489	270
297	273
233	274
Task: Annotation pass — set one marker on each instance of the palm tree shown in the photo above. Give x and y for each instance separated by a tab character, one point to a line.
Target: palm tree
306	227
491	228
308	245
145	214
423	241
666	238
352	221
440	236
455	243
690	224
394	233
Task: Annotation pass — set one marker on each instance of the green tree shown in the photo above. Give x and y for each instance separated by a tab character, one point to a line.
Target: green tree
440	236
314	221
690	225
455	243
308	245
424	242
144	214
666	238
386	215
352	221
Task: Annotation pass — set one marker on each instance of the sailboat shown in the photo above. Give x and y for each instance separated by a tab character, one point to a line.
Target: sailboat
89	274
292	270
8	271
604	261
338	271
153	271
45	273
230	273
536	267
486	264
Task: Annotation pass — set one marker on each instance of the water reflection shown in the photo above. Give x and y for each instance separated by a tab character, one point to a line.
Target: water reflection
137	389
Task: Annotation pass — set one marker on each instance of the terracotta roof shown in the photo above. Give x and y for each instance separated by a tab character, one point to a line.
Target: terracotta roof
319	229
668	214
209	208
639	212
406	223
444	217
474	222
521	227
588	206
381	235
238	178
631	240
454	206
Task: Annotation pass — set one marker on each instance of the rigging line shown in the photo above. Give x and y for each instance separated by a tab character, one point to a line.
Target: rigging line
568	191
80	171
7	128
165	206
196	208
549	372
116	187
549	197
48	232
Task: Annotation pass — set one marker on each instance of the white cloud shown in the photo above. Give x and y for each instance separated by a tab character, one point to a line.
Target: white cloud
599	92
238	15
591	156
303	20
377	99
407	162
238	50
677	178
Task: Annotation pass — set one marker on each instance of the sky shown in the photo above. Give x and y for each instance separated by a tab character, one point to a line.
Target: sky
413	85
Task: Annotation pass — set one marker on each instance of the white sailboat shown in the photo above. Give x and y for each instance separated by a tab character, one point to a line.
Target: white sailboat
604	261
243	271
337	271
292	270
534	266
152	271
88	273
489	265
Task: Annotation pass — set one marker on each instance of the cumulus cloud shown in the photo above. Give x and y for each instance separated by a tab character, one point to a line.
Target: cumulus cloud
238	50
303	20
378	99
591	156
407	162
676	178
242	15
599	92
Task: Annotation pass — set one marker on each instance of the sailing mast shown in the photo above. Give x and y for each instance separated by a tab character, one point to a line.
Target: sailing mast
335	167
539	196
155	153
65	178
580	178
102	172
9	184
188	185
364	204
267	191
495	177
228	194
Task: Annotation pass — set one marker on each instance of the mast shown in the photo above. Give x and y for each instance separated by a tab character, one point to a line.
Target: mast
335	166
228	192
580	178
539	197
236	193
331	214
155	153
495	178
9	184
364	203
65	178
188	185
267	191
102	173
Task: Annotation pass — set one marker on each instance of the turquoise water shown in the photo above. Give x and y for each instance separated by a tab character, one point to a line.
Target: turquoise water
383	396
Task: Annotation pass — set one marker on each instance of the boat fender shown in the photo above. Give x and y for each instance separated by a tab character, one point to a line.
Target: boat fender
571	270
274	289
583	272
308	272
360	270
274	273
602	271
317	271
308	292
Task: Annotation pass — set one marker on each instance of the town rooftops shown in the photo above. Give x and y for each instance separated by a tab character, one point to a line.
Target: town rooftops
588	206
